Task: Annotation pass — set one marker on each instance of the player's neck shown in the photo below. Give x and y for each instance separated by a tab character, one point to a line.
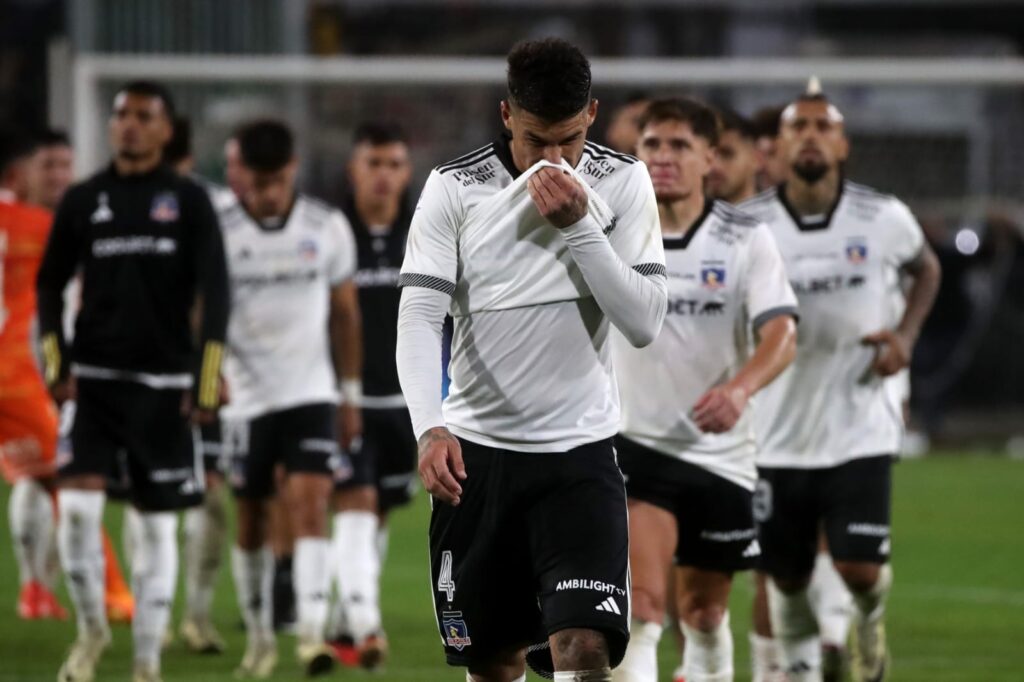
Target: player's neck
377	213
813	198
678	217
136	166
748	191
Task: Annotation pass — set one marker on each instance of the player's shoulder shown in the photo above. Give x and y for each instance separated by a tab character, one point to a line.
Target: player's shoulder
600	165
729	224
761	206
479	167
317	213
869	203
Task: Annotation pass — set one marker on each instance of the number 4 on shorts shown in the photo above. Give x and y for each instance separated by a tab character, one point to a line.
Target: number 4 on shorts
444	581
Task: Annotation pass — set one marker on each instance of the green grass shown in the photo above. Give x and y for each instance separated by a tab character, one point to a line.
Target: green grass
956	614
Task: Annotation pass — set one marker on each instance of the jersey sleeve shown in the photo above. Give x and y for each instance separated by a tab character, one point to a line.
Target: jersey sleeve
58	265
431	254
342	264
637	234
903	234
768	292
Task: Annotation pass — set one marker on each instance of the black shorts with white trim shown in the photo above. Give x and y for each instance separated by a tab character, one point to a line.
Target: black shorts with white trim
715	521
385	457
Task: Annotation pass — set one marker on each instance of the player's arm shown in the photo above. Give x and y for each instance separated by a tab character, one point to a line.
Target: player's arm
57	267
428	281
896	346
213	291
771	311
346	329
634	301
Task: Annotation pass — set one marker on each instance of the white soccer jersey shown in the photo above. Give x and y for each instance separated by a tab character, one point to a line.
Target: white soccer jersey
530	364
279	352
828	407
725	280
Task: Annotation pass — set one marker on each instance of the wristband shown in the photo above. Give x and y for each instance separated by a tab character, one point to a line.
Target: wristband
351	392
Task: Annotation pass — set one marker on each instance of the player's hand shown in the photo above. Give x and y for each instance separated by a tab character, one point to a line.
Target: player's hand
224	392
64	391
441	465
350	425
198	416
558	196
720	408
892	351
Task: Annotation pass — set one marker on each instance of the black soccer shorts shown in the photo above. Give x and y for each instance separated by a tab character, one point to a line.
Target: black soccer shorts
136	435
851	502
302	439
212	447
713	515
538	544
385	458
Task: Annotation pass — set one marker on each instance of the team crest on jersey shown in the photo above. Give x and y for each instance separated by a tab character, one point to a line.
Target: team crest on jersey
712	276
307	249
164	208
856	251
456	634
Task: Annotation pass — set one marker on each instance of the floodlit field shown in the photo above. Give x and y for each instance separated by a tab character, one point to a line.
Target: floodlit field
957	611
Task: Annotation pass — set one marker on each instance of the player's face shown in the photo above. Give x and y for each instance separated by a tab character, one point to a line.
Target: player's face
233	170
623	132
733	167
534	139
269	195
678	160
139	126
379	173
51	174
772	169
813	141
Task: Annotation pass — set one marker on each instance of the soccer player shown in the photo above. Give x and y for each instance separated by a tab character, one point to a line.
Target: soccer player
831	424
384	464
538	243
149	245
622	132
686	446
51	170
28	420
294	303
773	168
733	175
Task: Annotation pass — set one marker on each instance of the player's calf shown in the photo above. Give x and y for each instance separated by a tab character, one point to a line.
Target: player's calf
580	652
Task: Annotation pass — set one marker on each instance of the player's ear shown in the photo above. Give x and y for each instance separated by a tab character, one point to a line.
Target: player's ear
591	112
506	114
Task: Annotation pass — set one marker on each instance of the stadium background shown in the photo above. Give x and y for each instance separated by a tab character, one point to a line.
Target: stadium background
933	92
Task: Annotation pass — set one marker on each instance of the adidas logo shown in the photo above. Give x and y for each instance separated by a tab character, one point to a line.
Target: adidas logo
609	606
884	548
752	550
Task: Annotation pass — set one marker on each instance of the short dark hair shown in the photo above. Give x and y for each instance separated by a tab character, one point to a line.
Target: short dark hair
51	137
179	147
549	78
701	118
378	133
266	146
15	145
150	89
766	121
735	121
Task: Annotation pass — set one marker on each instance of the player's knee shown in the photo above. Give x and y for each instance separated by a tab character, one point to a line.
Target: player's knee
791	585
704	617
648	605
252	527
859	576
579	649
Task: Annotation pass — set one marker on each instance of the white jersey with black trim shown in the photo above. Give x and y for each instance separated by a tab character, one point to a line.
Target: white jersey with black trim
828	407
530	366
279	353
725	280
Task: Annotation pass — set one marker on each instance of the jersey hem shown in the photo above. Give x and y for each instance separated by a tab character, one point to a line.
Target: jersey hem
561	445
264	410
745	482
804	464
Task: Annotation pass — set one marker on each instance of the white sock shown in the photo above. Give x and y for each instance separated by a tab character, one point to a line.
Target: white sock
640	664
871	604
154	577
708	655
29	514
832	602
311	577
131	535
383	539
521	678
765	658
205	528
358	571
80	544
796	631
602	675
254	579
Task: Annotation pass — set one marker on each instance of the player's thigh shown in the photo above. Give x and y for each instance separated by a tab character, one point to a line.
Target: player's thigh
483	589
396	458
857	499
787	516
652	544
163	452
579	543
252	450
357	470
211	441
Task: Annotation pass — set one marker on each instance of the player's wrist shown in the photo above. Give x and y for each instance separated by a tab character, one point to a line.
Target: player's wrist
351	391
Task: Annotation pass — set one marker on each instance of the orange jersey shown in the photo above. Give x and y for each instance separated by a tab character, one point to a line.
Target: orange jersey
23	233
